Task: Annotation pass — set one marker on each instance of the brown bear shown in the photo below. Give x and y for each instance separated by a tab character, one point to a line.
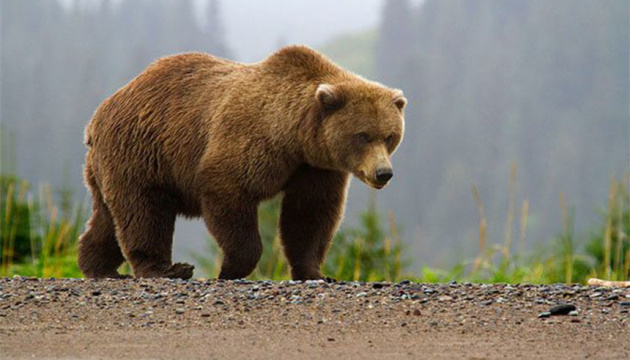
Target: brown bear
196	135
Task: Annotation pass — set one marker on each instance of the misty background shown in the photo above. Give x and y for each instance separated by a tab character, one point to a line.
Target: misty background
541	86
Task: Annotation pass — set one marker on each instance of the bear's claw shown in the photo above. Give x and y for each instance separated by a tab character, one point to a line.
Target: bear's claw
180	271
106	275
120	276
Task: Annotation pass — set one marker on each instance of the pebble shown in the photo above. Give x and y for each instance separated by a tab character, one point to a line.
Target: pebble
562	309
545	314
179	311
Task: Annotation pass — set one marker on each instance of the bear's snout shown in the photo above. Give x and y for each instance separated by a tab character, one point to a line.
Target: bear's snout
383	175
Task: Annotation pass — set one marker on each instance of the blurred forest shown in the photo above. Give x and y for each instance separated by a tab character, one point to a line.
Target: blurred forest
543	84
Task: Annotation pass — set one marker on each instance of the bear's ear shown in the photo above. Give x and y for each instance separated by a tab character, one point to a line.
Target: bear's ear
329	96
399	99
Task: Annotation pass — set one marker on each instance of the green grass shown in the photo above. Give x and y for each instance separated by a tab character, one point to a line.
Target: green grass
39	234
48	232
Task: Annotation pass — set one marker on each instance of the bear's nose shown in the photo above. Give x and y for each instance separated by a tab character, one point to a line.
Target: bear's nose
383	175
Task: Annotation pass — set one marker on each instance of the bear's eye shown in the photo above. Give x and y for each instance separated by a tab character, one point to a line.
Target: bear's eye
364	138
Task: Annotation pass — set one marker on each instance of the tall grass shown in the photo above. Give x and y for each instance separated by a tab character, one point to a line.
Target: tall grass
609	245
369	252
39	232
496	262
50	234
14	217
604	252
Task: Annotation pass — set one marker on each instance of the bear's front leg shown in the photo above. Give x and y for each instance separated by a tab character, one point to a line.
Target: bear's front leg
234	225
312	208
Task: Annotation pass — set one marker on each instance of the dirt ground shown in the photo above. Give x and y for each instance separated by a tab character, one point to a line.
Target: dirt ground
174	319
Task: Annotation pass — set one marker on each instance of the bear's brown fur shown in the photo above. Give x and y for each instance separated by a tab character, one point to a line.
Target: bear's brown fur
196	135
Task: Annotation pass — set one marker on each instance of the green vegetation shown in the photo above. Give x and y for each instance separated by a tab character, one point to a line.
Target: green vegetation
367	253
604	252
39	238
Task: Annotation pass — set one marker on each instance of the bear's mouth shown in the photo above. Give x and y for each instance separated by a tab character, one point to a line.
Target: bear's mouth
377	186
361	176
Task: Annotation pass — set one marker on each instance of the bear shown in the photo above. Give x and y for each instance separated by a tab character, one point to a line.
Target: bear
195	135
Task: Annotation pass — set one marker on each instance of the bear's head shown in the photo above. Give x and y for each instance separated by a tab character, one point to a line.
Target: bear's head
360	125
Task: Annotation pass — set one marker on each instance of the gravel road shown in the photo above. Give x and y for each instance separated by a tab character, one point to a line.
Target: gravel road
175	319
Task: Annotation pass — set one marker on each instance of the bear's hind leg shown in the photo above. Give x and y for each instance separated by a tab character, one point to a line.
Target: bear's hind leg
145	226
99	254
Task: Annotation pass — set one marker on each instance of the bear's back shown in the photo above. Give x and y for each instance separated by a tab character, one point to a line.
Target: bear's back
155	123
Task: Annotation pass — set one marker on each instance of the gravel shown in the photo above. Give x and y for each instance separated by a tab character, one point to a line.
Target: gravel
78	318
